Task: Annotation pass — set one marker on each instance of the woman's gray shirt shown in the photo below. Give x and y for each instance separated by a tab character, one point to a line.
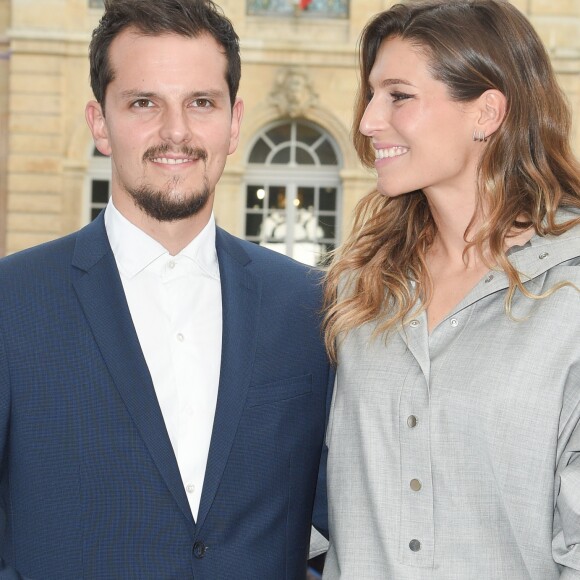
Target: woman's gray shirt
456	455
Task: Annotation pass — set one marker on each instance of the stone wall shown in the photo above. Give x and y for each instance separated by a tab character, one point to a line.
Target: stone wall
44	153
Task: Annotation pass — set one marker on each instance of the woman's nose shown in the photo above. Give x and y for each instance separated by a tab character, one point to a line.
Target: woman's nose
373	119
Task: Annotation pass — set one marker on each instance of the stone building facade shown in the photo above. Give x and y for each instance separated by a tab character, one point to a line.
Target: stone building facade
295	161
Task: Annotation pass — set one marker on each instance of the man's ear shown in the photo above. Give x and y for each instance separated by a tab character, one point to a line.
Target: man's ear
97	124
492	106
237	114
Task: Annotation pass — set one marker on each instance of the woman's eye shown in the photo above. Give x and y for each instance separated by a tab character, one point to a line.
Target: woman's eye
396	96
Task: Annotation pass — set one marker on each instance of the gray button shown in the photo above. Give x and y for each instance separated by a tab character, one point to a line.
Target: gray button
414	323
454	322
412	421
415	545
415	485
489	278
543	255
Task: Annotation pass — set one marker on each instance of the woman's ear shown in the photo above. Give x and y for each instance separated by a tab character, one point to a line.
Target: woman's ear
97	124
492	106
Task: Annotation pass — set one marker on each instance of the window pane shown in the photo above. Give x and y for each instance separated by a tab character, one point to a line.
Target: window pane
277	197
326	154
253	225
280	134
307	134
303	157
255	196
274	227
259	152
282	157
95	211
99	191
327	201
328	225
325	8
270	7
328	8
305	197
307	226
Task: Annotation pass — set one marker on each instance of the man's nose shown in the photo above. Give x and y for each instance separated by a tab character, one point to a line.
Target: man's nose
176	126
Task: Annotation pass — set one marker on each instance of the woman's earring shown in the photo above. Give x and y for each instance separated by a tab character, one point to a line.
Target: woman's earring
479	136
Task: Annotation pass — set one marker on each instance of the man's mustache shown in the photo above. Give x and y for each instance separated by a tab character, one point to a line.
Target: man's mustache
197	153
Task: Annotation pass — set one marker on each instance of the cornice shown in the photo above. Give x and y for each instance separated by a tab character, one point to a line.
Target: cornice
566	60
48	35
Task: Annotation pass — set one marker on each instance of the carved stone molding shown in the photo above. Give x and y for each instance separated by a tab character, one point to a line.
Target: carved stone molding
293	93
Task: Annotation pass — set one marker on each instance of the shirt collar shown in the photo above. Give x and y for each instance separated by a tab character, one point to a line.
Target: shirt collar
542	253
134	250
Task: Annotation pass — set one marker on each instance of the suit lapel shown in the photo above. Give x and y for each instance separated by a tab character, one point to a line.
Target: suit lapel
100	292
241	295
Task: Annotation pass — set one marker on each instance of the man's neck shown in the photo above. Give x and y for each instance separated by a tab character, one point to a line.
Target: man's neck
172	235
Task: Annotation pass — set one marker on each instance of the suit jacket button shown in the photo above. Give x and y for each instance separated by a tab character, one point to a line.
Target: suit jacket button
199	549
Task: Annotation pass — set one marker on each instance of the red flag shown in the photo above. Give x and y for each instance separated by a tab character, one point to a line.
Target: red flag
304	4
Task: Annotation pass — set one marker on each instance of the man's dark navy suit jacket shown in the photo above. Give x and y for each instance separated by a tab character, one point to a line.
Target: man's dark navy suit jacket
89	484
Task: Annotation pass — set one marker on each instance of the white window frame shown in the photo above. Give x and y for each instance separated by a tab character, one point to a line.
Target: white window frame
293	176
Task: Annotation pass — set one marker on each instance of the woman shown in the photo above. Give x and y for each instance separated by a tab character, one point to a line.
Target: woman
453	310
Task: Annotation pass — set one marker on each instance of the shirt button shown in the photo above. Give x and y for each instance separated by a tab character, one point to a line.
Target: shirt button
180	337
489	278
412	421
171	265
190	488
415	545
543	255
414	323
415	485
454	322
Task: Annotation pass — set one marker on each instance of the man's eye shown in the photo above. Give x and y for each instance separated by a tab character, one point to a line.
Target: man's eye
142	103
202	103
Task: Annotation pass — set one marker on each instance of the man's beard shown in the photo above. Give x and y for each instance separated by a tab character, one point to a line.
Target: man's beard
171	204
165	206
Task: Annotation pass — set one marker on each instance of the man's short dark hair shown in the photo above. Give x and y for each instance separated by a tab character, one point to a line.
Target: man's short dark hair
189	18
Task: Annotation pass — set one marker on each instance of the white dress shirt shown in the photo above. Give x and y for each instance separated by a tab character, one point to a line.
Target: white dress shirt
175	304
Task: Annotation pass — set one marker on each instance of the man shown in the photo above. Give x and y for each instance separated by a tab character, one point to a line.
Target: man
163	385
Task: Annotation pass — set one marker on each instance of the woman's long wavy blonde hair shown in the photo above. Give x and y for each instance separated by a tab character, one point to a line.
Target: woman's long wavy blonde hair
526	173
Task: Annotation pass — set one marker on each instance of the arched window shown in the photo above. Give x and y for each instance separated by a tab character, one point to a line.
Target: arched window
293	178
